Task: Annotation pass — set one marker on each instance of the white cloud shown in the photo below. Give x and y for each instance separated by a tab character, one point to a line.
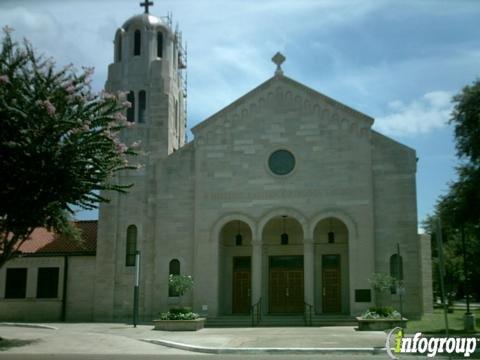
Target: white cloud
420	116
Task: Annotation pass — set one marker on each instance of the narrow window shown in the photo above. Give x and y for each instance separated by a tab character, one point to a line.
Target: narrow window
396	270
16	283
142	105
173	269
131	109
47	283
137	42
119	47
159	44
131	250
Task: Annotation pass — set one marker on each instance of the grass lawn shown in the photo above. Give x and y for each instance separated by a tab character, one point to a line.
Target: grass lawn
434	323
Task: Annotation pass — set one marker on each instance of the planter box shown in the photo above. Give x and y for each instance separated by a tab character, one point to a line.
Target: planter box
179	325
380	324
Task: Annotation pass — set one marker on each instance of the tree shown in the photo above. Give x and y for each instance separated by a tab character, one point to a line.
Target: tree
463	199
459	209
180	283
59	144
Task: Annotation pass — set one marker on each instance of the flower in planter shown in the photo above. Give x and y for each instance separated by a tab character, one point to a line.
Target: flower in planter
381	313
179	314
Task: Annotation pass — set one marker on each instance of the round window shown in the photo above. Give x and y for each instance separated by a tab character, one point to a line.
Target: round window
281	162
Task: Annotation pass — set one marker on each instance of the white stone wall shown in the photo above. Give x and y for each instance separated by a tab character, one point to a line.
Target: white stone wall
332	147
80	290
394	184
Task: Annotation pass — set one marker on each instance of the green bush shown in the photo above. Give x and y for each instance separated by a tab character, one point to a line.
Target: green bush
180	284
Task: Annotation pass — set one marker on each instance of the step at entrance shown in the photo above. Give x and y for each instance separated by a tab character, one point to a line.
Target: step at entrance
280	321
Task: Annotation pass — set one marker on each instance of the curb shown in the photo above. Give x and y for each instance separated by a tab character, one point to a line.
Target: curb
263	350
33	326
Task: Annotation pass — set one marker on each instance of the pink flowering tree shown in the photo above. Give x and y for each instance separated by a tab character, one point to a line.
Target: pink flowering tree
59	145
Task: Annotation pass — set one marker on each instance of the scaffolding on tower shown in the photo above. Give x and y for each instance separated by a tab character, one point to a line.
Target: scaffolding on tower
182	69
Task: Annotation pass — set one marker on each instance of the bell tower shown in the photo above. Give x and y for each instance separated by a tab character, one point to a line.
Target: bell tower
150	66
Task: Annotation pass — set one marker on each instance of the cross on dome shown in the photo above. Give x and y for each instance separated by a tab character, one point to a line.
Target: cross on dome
278	60
146	4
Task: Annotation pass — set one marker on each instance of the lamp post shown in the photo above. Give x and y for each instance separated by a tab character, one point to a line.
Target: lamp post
136	288
441	269
400	288
469	318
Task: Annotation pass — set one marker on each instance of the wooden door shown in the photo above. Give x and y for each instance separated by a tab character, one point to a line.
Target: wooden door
241	285
286	285
277	294
295	291
331	284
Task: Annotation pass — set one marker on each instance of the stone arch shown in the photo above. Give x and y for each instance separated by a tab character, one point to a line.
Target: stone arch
234	233
290	212
333	213
333	254
225	219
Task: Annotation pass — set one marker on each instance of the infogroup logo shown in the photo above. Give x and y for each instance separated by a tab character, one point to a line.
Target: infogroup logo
396	344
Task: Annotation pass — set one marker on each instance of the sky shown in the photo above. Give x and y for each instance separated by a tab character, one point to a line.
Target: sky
397	61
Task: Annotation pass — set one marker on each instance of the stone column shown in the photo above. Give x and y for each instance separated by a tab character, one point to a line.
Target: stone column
256	271
308	271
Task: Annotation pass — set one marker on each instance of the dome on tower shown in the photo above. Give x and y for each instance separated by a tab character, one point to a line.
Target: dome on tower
146	20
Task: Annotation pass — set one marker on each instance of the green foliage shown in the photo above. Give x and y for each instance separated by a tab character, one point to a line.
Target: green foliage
179	314
466	119
59	144
181	310
460	207
462	203
180	283
382	282
385	312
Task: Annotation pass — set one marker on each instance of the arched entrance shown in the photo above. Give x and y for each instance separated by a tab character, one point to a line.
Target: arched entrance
282	239
331	238
235	267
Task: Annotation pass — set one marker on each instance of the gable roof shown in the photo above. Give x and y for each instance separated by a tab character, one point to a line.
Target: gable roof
289	82
43	242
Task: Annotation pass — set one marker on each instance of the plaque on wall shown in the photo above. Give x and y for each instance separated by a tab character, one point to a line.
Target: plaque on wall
363	295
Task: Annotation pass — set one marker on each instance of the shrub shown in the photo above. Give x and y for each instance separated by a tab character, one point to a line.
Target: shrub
180	284
179	314
385	312
182	310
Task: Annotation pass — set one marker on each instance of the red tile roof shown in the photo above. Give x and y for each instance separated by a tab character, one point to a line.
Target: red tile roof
44	242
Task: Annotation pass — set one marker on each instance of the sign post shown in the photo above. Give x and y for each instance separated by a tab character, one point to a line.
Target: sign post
400	288
441	268
136	288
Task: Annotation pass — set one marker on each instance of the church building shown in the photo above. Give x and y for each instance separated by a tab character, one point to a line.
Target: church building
285	200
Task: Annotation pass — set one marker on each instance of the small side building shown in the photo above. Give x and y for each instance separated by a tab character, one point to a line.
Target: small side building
53	280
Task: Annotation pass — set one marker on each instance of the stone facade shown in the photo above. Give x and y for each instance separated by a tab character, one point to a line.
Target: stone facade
191	200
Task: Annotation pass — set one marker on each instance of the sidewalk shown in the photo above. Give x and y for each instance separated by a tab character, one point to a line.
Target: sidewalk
110	338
